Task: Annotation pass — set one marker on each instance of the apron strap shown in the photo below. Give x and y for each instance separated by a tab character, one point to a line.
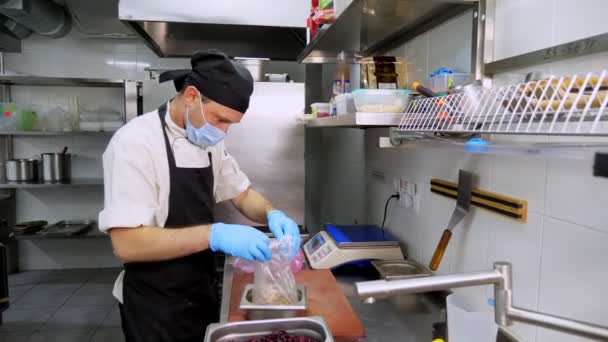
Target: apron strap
162	113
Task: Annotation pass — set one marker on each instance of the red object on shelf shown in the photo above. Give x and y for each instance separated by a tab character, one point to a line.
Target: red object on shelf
314	28
310	23
325	16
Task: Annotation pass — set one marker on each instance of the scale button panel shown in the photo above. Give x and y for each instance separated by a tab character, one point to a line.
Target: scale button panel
327	249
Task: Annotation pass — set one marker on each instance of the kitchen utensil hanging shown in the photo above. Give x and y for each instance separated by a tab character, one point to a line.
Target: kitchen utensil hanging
463	202
513	208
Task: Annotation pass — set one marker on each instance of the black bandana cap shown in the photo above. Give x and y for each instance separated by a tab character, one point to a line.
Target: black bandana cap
217	77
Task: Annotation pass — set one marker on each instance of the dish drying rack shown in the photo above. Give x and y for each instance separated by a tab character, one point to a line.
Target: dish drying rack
567	105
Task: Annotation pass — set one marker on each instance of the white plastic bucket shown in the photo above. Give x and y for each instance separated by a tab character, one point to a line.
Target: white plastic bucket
470	320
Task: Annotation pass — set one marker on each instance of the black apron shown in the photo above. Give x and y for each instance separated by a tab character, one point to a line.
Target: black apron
175	300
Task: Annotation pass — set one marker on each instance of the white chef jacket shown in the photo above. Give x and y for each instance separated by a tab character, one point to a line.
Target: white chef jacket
136	174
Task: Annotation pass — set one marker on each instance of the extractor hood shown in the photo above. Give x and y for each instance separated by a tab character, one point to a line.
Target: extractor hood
240	28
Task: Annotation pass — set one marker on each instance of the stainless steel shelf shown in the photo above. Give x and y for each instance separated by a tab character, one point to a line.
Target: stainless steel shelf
358	119
75	182
60	81
51	133
368	27
91	233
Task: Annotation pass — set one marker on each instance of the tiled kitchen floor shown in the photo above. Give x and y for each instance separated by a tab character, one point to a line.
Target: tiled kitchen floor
62	306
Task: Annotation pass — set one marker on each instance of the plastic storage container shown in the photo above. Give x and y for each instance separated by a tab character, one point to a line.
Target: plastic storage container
345	104
9	118
27	119
381	100
445	82
470	320
320	109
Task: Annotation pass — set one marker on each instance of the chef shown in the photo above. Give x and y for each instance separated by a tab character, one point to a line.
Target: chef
163	173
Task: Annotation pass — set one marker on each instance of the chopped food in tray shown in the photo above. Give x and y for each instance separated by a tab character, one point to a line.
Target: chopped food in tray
281	336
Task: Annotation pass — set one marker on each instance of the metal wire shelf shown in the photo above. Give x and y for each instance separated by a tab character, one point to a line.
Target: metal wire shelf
567	105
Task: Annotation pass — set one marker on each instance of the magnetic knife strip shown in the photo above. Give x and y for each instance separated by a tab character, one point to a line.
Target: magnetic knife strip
510	207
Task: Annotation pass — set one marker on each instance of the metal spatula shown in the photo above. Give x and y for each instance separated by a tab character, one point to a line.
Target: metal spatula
463	202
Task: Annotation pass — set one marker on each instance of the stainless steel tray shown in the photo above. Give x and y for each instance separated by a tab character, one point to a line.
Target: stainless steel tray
266	311
313	326
67	228
400	269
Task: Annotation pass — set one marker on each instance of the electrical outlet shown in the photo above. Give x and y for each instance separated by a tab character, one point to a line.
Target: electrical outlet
409	196
415	196
404	201
396	185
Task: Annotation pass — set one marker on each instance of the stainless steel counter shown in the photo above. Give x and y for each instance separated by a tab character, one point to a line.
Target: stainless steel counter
404	318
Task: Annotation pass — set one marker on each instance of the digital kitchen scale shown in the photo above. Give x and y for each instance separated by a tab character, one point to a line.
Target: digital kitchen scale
338	245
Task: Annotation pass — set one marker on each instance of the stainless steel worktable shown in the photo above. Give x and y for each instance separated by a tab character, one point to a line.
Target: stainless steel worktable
405	318
383	321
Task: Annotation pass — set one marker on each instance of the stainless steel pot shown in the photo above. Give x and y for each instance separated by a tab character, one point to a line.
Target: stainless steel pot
255	67
22	170
56	167
277	78
12	170
3	173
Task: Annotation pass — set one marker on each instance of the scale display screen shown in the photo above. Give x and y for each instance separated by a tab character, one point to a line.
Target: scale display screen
316	242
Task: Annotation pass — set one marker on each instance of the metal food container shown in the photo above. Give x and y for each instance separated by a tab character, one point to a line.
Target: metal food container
313	327
22	170
255	67
56	167
268	311
400	269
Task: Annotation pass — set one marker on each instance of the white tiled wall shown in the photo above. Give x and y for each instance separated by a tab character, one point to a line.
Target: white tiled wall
527	25
433	50
557	255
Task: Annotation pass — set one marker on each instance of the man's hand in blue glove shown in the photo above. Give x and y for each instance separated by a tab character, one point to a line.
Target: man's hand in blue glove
240	241
280	225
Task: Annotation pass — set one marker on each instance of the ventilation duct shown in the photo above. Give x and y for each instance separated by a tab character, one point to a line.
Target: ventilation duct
98	19
41	16
18	30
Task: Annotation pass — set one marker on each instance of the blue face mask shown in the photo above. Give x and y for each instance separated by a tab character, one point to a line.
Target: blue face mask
205	136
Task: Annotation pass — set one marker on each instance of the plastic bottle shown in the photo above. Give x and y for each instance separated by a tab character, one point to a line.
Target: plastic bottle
340	85
341	81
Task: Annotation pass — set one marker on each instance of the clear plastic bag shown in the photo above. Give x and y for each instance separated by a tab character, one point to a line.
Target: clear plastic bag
296	265
274	282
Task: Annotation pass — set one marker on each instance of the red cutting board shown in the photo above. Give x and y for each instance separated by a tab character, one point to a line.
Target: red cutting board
325	298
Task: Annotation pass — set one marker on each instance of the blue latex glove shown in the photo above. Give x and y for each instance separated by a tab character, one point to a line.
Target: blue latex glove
281	225
240	241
